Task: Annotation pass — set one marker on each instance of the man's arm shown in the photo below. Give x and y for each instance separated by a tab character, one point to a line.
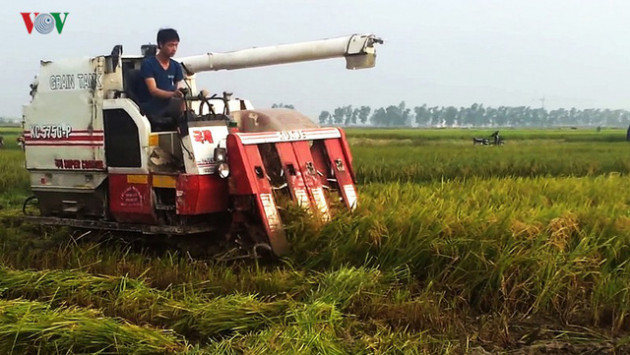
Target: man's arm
179	77
157	92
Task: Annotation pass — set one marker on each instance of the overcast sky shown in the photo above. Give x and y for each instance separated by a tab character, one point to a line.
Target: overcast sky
457	52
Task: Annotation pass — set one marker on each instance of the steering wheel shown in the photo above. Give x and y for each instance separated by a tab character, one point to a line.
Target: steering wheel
206	101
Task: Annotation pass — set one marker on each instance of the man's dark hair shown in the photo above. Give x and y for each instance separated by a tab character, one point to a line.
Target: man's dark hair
165	35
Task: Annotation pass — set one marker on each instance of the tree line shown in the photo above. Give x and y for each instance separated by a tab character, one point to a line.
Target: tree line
477	115
4	121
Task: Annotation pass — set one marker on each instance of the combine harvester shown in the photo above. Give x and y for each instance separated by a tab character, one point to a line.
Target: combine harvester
95	163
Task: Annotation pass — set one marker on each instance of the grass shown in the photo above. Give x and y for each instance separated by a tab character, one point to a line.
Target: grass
454	248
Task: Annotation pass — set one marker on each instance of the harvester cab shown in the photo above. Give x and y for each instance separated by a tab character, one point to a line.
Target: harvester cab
95	161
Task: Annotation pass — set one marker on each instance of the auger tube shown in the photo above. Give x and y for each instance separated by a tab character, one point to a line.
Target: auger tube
358	49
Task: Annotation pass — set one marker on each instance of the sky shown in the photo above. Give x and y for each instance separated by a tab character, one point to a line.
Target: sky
560	53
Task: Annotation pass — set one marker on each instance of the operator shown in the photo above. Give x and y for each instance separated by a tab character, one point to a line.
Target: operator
162	102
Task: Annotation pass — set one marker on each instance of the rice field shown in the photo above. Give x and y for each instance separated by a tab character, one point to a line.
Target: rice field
455	248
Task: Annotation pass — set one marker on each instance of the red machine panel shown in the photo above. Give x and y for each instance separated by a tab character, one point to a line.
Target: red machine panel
293	174
311	178
342	170
250	178
130	198
201	194
306	170
320	160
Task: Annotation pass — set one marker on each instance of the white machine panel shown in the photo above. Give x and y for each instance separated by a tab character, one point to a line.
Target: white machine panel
204	139
63	123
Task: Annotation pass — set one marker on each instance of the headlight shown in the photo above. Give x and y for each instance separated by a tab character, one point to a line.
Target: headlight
223	170
219	154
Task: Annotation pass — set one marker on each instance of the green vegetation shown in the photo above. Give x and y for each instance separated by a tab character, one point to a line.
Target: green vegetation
10	134
454	248
430	155
464	136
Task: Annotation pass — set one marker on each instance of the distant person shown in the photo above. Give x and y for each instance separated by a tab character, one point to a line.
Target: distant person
21	142
1	142
628	134
162	76
496	138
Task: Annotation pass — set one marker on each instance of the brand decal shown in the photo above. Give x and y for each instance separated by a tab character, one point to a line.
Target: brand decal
44	23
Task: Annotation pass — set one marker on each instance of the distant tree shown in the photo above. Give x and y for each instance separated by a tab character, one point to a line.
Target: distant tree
423	117
347	114
480	115
475	116
379	117
325	118
502	117
539	117
554	116
573	113
338	115
397	115
364	113
449	116
436	116
355	115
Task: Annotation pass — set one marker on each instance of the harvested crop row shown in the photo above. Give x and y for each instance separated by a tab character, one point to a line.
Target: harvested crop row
314	324
192	315
34	247
196	318
28	327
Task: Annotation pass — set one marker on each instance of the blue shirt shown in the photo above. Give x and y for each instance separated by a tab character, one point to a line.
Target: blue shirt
164	79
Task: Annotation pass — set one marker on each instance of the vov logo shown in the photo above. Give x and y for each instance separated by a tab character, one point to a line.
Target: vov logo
44	23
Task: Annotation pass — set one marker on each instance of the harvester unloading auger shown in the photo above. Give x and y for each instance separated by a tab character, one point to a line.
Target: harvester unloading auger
95	163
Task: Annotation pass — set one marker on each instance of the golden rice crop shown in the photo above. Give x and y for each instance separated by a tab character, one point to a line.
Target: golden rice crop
454	248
